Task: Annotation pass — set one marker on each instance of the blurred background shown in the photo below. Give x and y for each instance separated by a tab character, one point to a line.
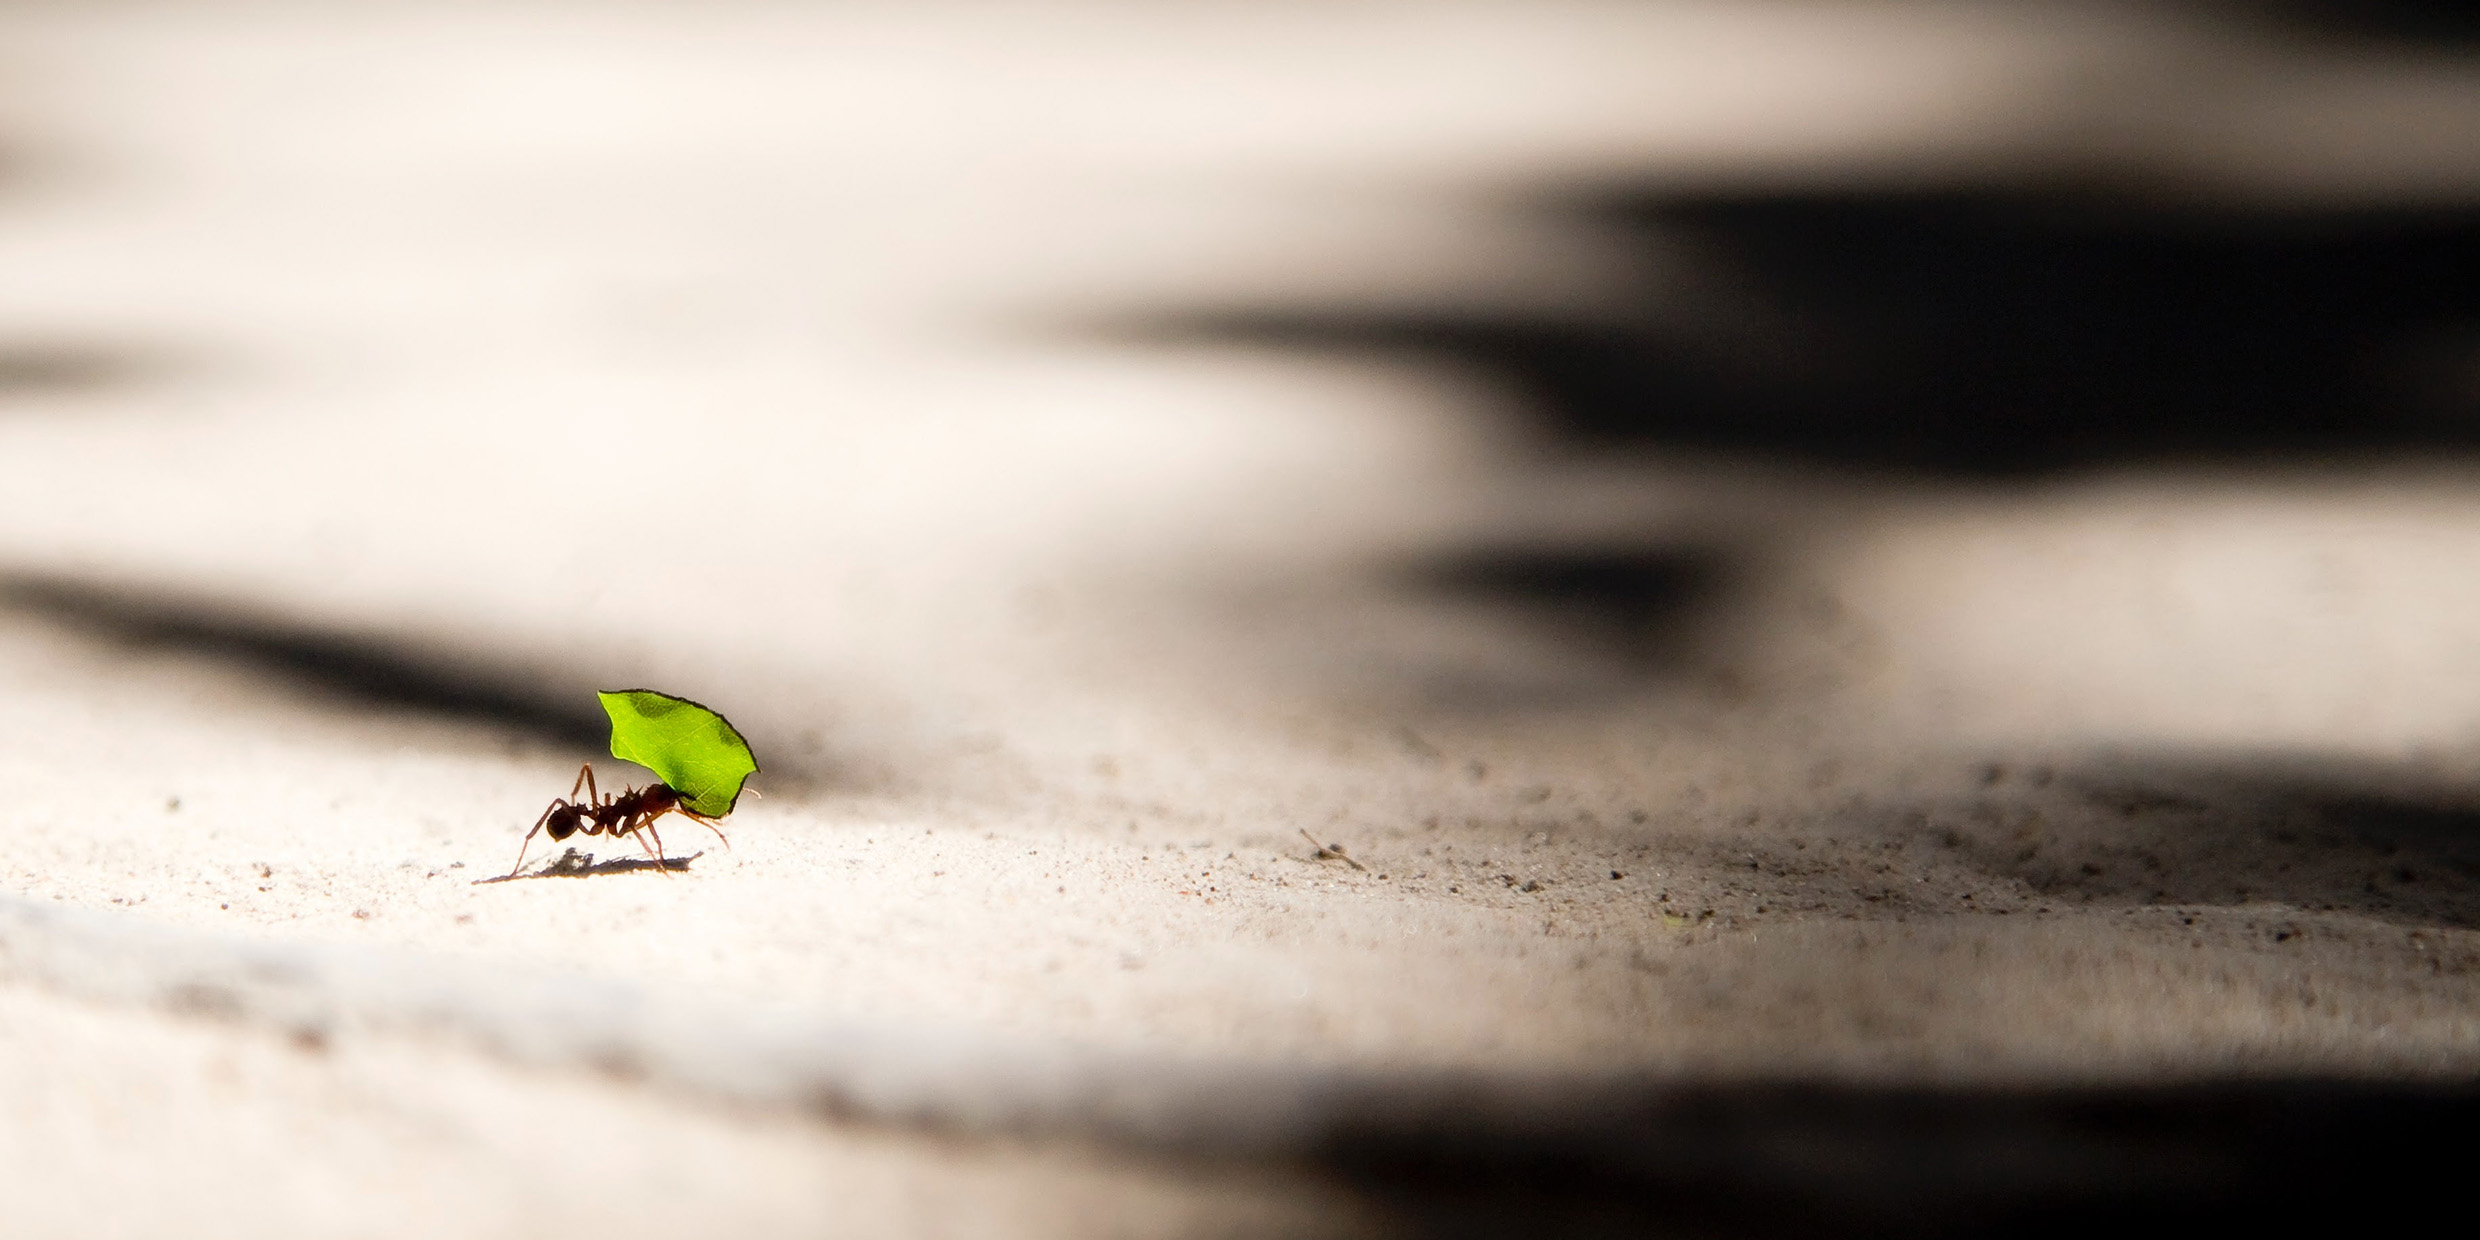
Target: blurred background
1877	468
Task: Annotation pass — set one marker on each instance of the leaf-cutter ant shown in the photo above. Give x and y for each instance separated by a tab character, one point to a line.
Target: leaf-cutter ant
630	813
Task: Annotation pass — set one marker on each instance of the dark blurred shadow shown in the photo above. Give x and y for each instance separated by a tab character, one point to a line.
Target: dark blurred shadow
2431	23
1983	332
2231	1157
2323	835
48	369
2314	835
1643	604
366	670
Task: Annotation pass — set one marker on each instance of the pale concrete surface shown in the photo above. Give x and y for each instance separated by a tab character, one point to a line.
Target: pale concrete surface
393	379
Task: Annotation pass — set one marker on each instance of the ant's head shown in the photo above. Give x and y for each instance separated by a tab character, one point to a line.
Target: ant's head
563	821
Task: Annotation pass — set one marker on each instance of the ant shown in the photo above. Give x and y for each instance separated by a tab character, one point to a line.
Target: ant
628	813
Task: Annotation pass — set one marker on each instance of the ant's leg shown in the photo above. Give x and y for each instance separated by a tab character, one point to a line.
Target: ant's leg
661	861
708	823
654	852
585	778
529	836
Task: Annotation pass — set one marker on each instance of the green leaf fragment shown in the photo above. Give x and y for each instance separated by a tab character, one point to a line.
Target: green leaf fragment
689	747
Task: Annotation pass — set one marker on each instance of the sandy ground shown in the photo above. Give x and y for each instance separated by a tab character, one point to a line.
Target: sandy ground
375	386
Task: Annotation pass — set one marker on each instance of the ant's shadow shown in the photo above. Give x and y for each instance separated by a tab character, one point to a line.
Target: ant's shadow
575	864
